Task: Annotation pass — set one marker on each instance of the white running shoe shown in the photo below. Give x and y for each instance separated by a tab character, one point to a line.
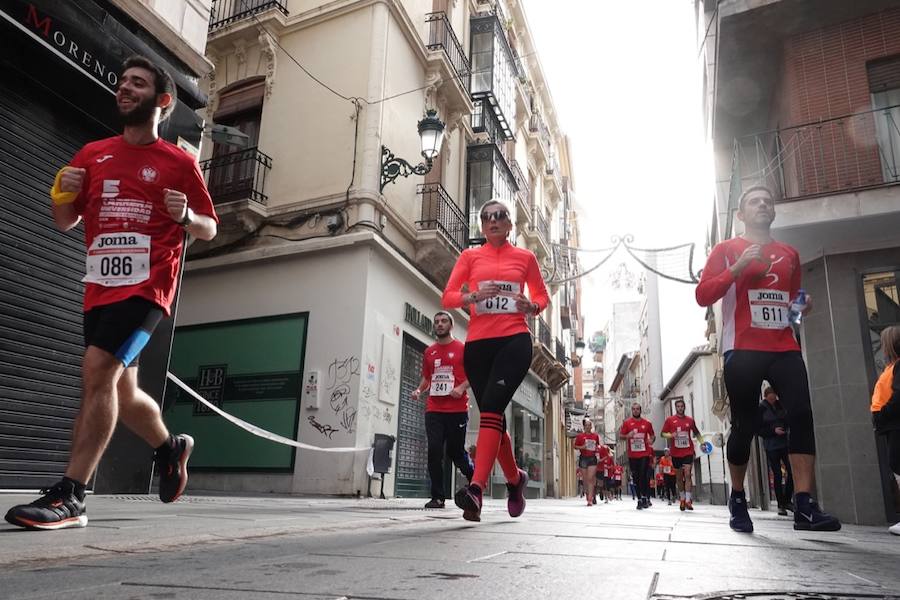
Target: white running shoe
895	529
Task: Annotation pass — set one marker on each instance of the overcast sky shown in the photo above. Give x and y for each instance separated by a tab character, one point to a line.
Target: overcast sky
626	86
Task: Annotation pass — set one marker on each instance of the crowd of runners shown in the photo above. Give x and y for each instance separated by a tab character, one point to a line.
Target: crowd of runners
139	197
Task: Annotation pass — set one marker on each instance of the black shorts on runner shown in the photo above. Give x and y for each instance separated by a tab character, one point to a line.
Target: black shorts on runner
587	461
680	461
122	328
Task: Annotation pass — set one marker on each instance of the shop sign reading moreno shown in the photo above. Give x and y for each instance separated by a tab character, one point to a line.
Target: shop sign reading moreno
51	31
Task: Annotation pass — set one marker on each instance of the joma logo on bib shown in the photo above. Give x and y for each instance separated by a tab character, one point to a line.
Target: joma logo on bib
769	296
119	241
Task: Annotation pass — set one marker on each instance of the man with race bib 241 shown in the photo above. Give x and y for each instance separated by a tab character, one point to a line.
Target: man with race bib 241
447	407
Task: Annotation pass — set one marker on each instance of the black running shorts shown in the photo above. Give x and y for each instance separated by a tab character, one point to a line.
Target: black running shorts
122	328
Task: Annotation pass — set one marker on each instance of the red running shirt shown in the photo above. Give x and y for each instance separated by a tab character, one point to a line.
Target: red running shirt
133	245
442	368
509	267
618	470
681	428
638	446
590	441
755	307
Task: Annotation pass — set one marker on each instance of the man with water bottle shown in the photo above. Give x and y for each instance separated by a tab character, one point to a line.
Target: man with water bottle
758	280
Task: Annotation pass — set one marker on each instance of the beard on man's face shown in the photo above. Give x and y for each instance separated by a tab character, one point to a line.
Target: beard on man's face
140	114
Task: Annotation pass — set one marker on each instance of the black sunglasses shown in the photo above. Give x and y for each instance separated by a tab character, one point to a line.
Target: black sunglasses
496	215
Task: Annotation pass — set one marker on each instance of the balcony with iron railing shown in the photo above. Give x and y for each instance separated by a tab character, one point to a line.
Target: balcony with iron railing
537	233
523	197
539	135
560	352
440	213
442	231
226	12
237	176
442	37
843	154
541	332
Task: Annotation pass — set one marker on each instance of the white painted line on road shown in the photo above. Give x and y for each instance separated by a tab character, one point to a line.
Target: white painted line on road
487	557
863	579
653	583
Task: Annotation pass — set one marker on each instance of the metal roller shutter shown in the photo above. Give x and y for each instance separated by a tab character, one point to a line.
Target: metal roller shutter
40	289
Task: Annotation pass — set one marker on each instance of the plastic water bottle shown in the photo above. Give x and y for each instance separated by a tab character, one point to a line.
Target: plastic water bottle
797	308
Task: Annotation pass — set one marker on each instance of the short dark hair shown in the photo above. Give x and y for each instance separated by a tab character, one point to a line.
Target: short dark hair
680	401
162	81
769	390
754	188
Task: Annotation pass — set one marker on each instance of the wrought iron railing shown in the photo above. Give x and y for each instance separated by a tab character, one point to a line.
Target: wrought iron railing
238	175
519	66
541	224
519	177
541	331
442	37
560	351
830	156
224	12
441	213
485	120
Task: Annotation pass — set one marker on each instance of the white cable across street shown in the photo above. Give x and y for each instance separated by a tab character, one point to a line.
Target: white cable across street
257	431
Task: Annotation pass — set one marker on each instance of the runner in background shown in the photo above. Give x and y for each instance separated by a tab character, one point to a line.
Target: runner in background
639	436
447	407
587	443
678	430
885	405
668	475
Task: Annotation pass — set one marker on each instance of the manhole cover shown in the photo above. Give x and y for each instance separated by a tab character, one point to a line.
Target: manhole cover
782	596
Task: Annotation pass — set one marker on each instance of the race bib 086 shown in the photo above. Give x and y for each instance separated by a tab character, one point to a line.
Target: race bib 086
769	308
116	259
503	303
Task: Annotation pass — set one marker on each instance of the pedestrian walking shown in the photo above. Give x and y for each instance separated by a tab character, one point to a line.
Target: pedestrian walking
775	434
886	403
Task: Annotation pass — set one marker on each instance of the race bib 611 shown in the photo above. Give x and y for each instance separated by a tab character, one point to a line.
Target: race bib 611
769	308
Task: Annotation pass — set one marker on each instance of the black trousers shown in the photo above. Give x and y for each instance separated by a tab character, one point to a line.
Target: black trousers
893	444
784	490
640	469
670	482
446	430
745	371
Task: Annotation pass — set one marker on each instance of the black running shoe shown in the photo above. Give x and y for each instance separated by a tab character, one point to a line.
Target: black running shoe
172	468
515	502
812	518
435	503
58	508
740	516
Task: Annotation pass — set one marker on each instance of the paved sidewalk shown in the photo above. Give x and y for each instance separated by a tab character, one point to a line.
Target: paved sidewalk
288	547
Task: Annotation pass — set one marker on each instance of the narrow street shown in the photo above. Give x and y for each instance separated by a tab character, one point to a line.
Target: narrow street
278	547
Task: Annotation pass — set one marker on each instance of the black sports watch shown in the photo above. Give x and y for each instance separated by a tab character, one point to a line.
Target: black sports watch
188	218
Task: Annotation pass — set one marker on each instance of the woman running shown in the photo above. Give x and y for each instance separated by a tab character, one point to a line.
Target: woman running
498	347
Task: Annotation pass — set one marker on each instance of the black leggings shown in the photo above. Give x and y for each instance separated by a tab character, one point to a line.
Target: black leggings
640	470
893	445
495	368
745	371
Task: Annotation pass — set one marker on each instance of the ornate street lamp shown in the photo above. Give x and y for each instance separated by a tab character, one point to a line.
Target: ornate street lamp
431	134
579	348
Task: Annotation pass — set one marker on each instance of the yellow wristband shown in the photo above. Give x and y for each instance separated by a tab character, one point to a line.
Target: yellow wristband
59	197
